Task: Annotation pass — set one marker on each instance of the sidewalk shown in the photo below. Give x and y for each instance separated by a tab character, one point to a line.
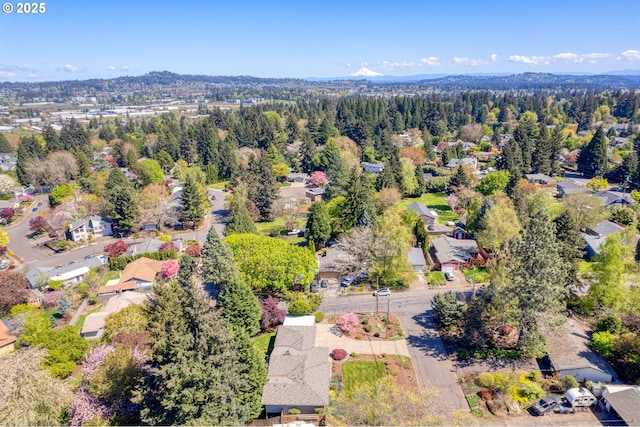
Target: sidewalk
325	338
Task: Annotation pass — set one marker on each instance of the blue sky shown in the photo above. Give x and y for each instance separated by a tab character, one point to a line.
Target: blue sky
108	38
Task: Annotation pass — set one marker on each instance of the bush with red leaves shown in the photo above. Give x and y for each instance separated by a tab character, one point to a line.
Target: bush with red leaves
505	329
194	250
116	248
168	246
339	354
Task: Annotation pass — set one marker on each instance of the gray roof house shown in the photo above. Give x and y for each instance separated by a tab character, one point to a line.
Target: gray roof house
456	253
69	273
569	187
416	259
298	177
299	372
597	234
97	226
571	354
373	167
625	401
539	178
427	215
471	161
612	198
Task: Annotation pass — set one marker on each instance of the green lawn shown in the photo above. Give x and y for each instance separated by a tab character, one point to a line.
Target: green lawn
218	185
435	278
435	201
476	271
265	341
80	322
274	227
355	373
110	275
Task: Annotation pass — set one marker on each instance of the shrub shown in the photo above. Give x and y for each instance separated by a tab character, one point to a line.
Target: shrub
377	335
347	322
165	238
602	342
353	354
272	315
318	410
532	391
83	289
534	376
168	246
319	316
55	284
609	323
116	248
294	411
569	382
339	354
299	307
368	328
194	250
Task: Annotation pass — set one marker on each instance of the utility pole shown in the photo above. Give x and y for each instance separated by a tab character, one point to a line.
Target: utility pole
386	333
377	291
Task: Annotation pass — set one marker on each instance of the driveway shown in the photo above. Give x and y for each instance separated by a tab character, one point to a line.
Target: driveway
326	338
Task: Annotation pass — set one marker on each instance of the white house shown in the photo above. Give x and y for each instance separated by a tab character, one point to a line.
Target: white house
95	226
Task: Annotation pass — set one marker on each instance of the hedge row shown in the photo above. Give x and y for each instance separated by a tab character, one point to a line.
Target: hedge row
119	263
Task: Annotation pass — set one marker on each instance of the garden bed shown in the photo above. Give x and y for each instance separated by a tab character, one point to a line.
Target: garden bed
373	327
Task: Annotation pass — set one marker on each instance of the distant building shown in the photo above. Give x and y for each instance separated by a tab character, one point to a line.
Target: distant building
597	234
315	194
539	178
301	178
567	187
471	161
427	215
372	167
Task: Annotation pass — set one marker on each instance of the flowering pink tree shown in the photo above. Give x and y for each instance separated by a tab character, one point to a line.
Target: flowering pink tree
170	268
194	250
109	159
347	322
318	178
26	198
272	315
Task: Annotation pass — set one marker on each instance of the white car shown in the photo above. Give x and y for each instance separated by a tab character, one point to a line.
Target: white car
449	276
385	292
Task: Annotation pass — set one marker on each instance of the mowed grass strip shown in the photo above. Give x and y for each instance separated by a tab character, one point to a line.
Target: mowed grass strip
356	373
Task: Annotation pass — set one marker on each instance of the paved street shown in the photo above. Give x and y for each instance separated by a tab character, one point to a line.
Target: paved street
425	346
31	256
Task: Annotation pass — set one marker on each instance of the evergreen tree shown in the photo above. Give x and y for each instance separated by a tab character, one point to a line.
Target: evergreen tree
239	221
460	178
51	139
386	179
240	306
422	185
593	160
537	276
194	201
195	363
84	165
264	192
28	148
228	162
572	243
318	224
358	209
122	206
307	153
480	221
217	260
254	373
5	147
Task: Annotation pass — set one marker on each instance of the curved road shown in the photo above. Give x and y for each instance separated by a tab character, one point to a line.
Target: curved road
31	256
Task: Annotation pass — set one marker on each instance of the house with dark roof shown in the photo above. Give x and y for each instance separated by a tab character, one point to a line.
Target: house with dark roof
299	372
455	254
315	194
624	400
539	178
301	178
427	215
471	161
597	234
567	187
373	167
612	198
416	259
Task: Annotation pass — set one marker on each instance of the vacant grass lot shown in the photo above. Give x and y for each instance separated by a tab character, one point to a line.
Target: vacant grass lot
434	201
355	373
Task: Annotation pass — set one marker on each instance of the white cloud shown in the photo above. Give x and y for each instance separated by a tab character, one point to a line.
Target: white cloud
69	68
469	61
31	75
125	67
431	61
111	68
630	55
530	60
579	59
494	58
6	74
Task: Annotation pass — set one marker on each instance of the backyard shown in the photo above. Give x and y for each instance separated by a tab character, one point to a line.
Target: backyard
435	201
368	368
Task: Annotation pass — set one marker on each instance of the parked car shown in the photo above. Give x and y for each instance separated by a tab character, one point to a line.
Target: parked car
544	405
314	286
347	281
384	292
213	197
34	209
4	264
324	283
39	203
449	276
